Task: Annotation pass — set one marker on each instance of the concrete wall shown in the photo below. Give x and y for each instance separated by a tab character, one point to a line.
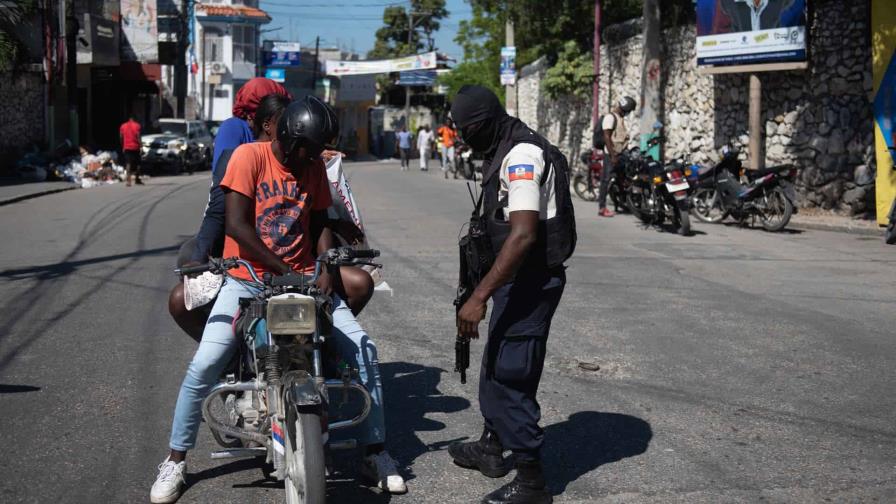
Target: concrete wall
819	119
22	106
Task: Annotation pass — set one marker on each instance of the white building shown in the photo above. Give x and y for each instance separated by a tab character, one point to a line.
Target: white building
226	34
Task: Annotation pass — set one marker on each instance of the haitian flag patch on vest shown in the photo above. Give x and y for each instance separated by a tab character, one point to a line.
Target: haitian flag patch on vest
521	172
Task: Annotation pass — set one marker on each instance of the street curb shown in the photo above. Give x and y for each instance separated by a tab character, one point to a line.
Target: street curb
16	199
839	228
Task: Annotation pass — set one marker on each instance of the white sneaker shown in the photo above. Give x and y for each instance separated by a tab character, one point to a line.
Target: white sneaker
382	469
169	482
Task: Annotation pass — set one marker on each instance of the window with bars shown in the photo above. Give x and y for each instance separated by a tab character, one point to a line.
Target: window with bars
243	43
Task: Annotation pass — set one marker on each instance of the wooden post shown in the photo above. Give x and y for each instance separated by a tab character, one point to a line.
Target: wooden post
595	88
757	159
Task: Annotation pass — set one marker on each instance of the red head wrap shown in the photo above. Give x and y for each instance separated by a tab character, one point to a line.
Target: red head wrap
251	94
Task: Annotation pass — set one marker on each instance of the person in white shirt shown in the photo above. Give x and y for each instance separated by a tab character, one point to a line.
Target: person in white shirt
424	145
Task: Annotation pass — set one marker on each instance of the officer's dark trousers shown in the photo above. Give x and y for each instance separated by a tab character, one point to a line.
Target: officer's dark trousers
513	359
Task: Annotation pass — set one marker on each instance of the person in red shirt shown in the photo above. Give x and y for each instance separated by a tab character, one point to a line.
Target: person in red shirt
276	198
129	134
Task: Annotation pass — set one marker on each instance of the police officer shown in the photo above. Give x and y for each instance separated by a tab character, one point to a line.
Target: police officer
530	224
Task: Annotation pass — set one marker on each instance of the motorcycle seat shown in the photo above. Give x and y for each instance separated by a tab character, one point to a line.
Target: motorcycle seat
755	174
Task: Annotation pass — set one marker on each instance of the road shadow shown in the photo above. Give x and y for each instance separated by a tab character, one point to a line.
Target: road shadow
785	231
411	393
61	269
17	389
588	440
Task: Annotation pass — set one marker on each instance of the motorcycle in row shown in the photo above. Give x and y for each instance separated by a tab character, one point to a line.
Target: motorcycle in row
658	192
586	182
727	189
281	402
462	164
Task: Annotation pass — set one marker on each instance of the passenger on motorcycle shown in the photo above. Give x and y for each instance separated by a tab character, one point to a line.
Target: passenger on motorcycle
615	136
277	195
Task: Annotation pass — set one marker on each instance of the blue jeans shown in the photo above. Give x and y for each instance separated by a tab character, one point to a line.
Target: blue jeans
219	342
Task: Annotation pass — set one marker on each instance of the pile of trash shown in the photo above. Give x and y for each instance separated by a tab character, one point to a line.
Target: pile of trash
84	168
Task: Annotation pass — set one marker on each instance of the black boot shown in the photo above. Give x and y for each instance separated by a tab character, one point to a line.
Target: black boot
527	487
485	455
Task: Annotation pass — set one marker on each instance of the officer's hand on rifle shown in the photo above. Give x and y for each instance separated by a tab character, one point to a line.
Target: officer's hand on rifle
469	317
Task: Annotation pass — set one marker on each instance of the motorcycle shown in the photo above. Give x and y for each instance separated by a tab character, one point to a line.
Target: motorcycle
278	403
463	162
658	192
586	182
890	233
729	189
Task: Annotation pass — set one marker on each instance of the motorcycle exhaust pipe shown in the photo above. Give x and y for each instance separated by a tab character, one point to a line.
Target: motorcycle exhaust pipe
221	428
365	411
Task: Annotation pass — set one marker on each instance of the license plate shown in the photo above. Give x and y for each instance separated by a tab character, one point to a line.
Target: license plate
677	187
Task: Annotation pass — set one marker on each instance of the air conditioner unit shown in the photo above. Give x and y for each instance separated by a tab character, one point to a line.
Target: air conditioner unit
218	68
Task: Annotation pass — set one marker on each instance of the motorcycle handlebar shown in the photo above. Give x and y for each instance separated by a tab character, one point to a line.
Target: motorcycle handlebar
364	254
193	270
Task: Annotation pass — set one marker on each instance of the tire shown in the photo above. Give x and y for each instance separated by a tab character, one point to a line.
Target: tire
684	223
580	186
706	206
636	206
305	481
777	204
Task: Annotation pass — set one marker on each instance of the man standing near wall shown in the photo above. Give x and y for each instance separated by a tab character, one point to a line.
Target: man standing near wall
129	134
615	139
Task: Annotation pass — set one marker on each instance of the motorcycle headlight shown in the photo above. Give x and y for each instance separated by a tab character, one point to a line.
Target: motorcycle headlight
688	172
291	315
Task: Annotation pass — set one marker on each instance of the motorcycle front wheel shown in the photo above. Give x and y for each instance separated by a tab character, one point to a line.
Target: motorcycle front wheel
580	186
707	206
776	210
637	206
305	480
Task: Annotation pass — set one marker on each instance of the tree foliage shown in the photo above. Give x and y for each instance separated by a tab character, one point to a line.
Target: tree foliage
392	38
572	74
481	38
12	13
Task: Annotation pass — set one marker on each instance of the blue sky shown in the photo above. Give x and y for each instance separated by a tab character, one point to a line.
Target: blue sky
349	24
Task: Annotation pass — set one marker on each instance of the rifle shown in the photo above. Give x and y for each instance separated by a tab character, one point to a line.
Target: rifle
476	258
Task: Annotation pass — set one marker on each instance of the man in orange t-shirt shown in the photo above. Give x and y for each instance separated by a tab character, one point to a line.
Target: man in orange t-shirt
129	134
276	200
448	135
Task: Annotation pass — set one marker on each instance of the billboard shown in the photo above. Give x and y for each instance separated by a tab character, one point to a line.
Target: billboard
139	31
283	54
747	32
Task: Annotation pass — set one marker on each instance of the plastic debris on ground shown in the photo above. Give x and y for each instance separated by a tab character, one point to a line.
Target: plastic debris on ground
86	169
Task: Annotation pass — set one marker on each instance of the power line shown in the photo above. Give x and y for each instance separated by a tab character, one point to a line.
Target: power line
292	4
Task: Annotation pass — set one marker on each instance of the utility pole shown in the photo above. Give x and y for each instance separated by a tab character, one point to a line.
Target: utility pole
509	89
316	64
651	75
71	68
411	50
595	87
180	65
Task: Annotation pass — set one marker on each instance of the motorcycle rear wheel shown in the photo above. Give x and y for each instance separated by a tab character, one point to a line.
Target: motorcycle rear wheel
305	481
707	207
580	186
777	210
684	223
636	205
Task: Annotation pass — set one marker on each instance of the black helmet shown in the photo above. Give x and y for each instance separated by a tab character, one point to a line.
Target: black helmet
308	123
627	104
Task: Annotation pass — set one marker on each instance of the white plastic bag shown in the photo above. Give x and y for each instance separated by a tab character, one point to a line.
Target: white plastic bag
200	290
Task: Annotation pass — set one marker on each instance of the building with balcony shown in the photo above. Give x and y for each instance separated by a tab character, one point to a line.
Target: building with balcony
225	55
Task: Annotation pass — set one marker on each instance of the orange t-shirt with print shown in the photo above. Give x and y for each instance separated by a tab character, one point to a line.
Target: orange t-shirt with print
448	135
283	204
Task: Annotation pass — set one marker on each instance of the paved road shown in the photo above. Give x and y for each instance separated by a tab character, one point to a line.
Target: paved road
735	365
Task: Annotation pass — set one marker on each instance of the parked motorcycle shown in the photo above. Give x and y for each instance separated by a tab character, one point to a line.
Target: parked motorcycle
278	403
659	192
586	182
729	189
890	233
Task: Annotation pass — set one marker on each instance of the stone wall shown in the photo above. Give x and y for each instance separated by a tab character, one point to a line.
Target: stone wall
819	119
22	110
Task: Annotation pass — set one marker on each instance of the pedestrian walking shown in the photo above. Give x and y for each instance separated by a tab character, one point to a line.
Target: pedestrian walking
447	135
424	146
530	224
615	139
129	135
403	142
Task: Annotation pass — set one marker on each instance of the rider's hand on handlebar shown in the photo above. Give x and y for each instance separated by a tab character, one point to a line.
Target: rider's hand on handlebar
190	264
325	282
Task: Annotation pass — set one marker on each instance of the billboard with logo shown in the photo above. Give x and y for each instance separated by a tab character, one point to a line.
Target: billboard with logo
747	32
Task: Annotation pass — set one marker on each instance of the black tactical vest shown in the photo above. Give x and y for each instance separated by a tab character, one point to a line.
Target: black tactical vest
556	236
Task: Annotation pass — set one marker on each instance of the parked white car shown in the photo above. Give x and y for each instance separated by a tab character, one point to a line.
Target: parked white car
182	146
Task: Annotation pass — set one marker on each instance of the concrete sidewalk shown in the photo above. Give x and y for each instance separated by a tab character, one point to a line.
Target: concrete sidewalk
18	192
831	222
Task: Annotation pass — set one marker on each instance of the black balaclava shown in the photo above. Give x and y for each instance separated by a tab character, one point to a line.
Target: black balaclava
478	105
